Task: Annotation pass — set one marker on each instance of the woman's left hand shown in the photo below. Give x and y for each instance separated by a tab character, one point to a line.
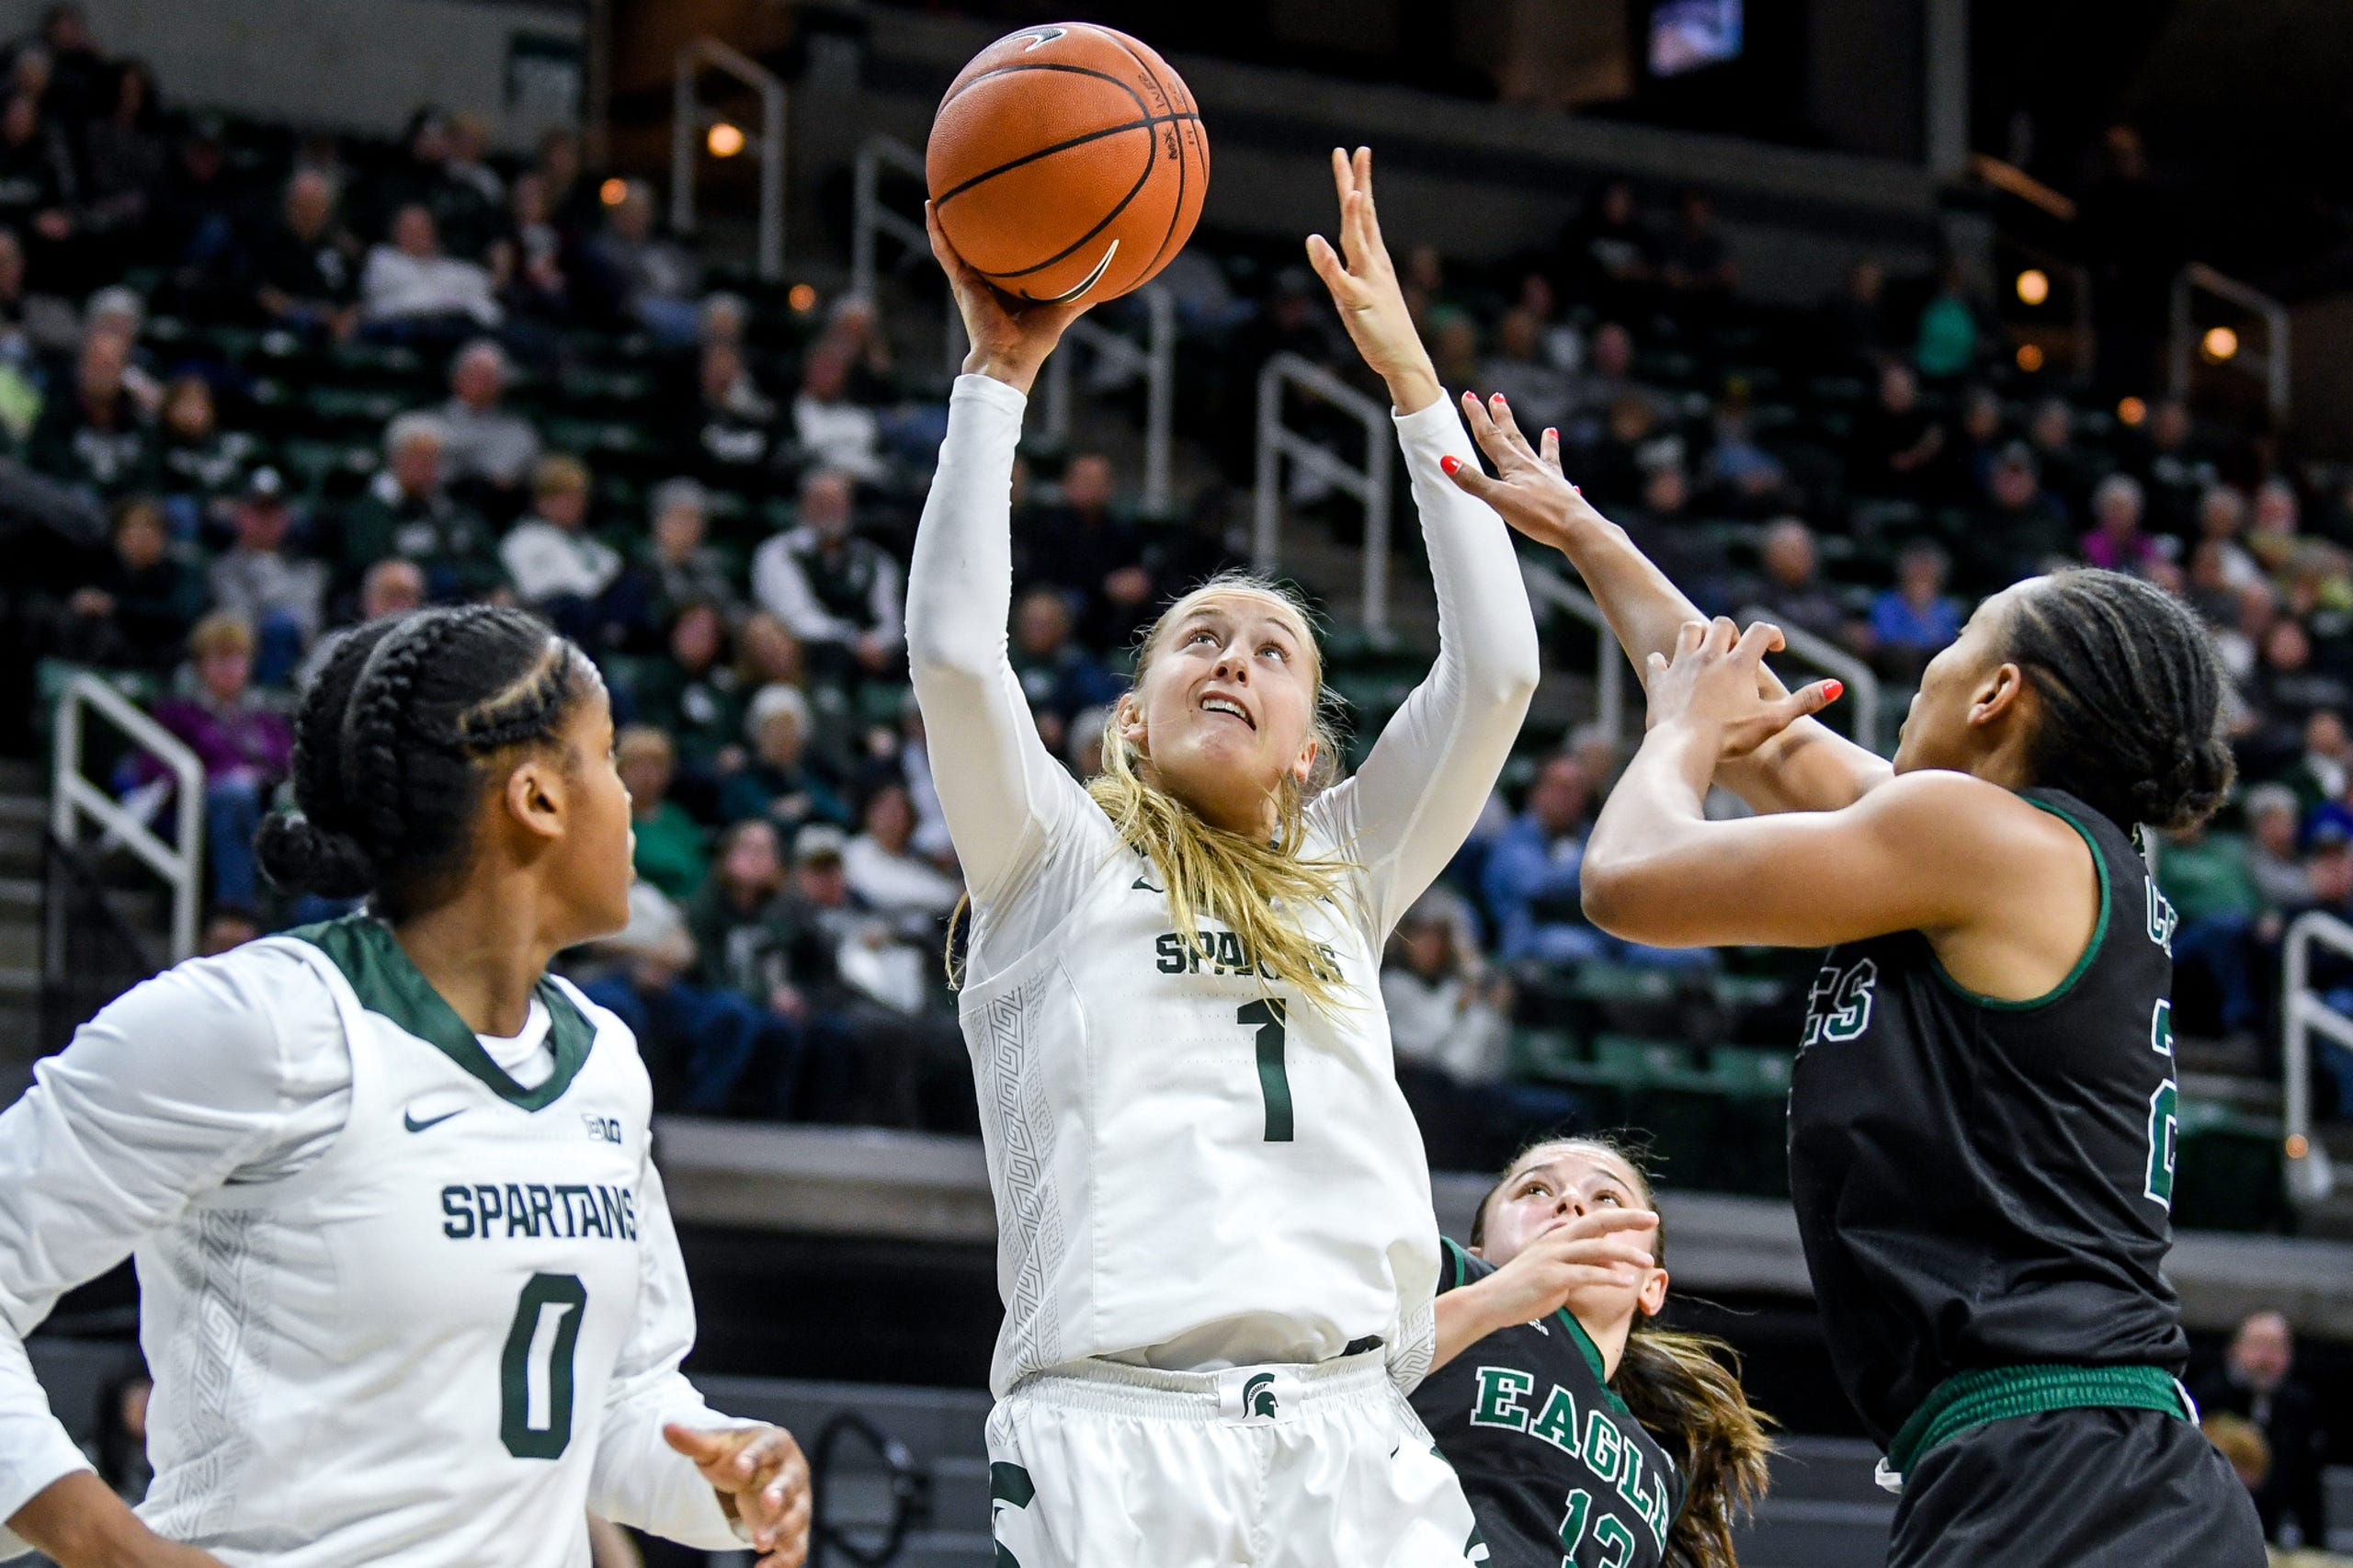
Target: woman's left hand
762	1482
1711	683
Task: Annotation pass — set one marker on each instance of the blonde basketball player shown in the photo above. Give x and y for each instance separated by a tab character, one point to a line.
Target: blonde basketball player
408	1284
1216	1251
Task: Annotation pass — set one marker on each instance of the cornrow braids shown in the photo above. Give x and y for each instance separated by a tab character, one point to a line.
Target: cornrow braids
2131	698
390	745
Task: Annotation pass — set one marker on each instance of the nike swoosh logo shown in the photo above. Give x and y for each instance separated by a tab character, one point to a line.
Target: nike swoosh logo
410	1121
1146	886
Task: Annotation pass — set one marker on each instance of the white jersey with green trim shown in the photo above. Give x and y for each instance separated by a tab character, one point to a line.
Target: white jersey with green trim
447	1334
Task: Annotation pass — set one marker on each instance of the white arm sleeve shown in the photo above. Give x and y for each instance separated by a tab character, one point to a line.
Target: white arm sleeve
1004	796
1421	789
639	1478
202	1075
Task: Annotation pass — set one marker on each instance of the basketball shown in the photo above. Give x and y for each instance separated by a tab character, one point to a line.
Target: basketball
1067	161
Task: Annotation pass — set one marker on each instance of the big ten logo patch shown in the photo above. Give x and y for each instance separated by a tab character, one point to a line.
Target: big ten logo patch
1839	1009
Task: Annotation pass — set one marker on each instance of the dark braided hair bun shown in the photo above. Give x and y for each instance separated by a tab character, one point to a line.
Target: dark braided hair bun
2131	697
390	743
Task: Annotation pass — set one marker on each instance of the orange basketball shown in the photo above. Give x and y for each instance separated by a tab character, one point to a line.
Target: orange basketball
1067	161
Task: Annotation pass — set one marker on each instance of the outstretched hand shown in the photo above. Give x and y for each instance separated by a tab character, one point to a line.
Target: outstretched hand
1606	1247
1530	490
1364	287
1713	681
762	1482
1009	339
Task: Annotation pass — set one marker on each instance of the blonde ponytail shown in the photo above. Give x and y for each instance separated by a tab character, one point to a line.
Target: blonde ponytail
1254	886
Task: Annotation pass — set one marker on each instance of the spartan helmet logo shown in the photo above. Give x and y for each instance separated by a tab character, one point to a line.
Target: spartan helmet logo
1258	1395
1040	37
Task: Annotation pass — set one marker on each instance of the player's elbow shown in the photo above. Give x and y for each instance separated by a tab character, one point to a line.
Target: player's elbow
1620	896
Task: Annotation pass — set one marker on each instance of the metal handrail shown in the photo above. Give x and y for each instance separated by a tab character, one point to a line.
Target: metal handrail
1154	359
73	798
2015	181
2311	1176
688	124
1548	586
2270	365
1369	484
1817	652
870	220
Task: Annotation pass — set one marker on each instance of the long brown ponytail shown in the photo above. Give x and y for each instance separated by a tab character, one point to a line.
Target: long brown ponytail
1685	1390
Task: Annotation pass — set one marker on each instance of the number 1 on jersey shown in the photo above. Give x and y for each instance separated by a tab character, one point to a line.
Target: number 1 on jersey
1273	1077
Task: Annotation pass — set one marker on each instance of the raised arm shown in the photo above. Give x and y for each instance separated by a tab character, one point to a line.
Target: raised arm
998	785
1420	790
1807	766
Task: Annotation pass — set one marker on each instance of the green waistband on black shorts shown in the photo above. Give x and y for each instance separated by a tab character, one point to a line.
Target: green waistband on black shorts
1995	1394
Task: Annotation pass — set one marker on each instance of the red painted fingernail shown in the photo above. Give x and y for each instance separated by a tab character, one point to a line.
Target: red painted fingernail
1450	462
1551	434
1833	689
1494	397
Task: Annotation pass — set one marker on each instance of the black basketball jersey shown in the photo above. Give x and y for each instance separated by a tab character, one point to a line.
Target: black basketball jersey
1556	1470
1982	1183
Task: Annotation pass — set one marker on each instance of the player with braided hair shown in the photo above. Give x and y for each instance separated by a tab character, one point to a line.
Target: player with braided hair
409	1285
1981	1116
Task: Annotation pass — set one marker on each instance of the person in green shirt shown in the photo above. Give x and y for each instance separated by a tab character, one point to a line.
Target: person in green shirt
670	852
2204	876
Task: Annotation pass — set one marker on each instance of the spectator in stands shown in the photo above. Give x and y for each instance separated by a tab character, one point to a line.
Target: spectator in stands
555	564
2325	768
469	160
77	72
464	214
1792	586
2017	528
695	697
2205	875
833	429
2172	472
1058	677
123	159
1857	328
1663	528
1977	441
2257	1382
643	278
1740	477
97	438
487	451
1945	346
2287	686
2065	473
2273	531
388	587
780	784
681	569
245	745
669	843
1531	880
2222	522
708	1049
1082	546
281	595
1696	262
839	594
411	291
2116	542
305	266
1896	442
1450	1023
197	465
405	511
1605	384
1537	389
731	918
193	233
735	427
1915	619
37	189
527	259
1609	253
2273	865
885	871
135	607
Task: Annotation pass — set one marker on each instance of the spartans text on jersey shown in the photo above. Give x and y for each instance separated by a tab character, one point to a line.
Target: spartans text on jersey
567	1210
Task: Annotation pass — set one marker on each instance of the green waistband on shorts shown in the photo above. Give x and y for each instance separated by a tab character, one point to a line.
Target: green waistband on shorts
1995	1394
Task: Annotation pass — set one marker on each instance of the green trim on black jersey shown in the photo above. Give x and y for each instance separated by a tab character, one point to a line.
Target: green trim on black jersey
2091	949
386	980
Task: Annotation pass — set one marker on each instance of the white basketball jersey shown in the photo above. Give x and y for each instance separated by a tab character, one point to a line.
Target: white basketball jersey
401	1353
1194	1167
